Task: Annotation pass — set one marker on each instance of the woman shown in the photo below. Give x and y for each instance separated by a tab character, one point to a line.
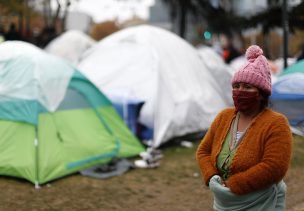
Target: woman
246	152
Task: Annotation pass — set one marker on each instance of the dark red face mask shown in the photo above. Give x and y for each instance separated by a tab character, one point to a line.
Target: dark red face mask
245	101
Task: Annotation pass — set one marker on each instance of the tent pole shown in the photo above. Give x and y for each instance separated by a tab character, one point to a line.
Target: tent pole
36	157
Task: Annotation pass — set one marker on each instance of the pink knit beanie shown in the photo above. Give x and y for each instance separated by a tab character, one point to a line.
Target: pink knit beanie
255	71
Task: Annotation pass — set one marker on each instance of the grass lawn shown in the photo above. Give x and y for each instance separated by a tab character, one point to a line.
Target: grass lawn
174	186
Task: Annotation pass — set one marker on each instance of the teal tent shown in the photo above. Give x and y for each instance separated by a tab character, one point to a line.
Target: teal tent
297	67
288	94
53	121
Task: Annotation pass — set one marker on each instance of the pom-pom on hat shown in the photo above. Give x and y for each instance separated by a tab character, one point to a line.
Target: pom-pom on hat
255	71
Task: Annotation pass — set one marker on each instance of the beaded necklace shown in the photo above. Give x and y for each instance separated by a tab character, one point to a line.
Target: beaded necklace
234	142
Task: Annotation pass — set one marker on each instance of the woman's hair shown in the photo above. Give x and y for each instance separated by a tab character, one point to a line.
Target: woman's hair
265	99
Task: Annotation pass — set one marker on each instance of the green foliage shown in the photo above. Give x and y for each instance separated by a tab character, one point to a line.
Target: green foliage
218	19
272	17
221	21
12	7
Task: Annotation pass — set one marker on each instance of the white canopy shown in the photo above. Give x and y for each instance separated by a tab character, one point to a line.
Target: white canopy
70	45
29	73
154	65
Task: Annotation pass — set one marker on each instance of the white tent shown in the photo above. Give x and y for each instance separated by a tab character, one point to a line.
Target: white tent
70	45
219	69
182	95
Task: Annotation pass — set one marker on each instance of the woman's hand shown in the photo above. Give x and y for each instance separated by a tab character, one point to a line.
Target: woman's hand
219	179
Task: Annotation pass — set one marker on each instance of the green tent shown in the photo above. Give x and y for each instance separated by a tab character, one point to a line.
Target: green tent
53	121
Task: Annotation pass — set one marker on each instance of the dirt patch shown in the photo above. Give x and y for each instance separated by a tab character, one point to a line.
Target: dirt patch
175	185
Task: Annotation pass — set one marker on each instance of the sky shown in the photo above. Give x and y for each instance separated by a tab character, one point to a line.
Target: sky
121	10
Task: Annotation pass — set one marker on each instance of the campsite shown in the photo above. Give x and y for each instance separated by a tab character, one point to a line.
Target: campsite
174	185
114	124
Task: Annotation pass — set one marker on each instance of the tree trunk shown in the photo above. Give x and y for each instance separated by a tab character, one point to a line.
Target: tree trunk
183	9
27	19
20	20
68	3
45	13
56	16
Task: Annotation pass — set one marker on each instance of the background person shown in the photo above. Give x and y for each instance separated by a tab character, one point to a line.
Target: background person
12	33
246	152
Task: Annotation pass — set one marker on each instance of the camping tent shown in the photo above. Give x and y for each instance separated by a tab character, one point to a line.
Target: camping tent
157	67
219	69
288	94
70	45
53	121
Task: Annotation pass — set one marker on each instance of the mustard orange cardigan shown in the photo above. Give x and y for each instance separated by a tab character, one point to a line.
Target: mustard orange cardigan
261	159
